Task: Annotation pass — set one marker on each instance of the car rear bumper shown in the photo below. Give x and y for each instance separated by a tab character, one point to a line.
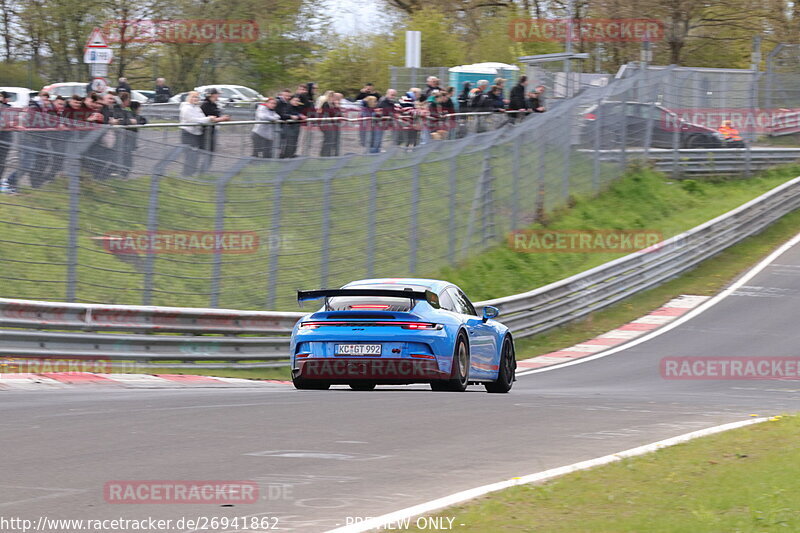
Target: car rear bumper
379	370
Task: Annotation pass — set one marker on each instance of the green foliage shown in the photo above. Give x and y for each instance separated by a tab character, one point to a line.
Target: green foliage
20	74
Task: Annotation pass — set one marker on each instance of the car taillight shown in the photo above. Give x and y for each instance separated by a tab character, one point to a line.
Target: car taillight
590	116
420	325
310	325
369	306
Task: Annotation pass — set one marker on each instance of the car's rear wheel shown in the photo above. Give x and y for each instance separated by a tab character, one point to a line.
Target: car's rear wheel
310	384
362	385
505	375
459	376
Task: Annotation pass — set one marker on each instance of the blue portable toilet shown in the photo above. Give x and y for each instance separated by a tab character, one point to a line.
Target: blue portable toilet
483	71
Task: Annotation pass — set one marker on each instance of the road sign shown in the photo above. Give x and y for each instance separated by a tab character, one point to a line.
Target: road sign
96	39
98	55
99	85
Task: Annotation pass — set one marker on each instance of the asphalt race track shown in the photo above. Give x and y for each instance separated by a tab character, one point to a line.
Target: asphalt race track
321	457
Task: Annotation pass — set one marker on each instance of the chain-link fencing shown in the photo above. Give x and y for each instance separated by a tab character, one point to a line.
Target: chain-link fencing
136	216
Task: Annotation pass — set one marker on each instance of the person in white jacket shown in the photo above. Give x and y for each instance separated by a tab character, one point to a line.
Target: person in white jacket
264	134
192	136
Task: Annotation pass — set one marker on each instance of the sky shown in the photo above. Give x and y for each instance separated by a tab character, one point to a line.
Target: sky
358	16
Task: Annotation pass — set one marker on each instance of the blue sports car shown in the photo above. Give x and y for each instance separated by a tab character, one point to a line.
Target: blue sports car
400	331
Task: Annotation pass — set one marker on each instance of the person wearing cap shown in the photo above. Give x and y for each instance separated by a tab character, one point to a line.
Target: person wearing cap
211	108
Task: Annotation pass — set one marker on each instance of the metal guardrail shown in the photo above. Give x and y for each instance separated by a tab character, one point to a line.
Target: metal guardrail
698	161
140	333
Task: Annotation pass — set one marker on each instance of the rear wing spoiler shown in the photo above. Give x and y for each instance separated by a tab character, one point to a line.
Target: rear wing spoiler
431	297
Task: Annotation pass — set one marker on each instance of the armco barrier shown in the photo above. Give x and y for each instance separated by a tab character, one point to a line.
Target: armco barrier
50	329
704	161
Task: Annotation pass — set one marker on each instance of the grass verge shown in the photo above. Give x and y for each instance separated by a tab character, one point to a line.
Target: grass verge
739	480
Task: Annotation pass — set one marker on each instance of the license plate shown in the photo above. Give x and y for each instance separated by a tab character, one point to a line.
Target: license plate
357	349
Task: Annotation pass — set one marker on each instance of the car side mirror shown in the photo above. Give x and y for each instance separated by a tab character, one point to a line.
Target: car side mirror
490	312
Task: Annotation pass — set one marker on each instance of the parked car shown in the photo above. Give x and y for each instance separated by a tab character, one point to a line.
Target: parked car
233	93
663	123
178	98
150	95
19	96
67	89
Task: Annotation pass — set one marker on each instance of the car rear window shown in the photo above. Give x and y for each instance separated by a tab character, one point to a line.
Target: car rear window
374	303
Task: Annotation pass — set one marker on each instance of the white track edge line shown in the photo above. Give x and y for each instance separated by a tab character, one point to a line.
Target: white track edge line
680	320
459	497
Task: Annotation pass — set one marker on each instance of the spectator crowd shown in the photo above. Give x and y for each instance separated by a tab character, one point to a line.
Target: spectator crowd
418	116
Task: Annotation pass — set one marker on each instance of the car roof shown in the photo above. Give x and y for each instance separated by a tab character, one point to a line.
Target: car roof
434	285
15	89
228	86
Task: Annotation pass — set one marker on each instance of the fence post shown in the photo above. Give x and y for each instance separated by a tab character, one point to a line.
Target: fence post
219	227
567	142
152	216
487	200
515	193
372	216
275	230
540	197
74	172
623	159
451	221
326	219
413	237
597	146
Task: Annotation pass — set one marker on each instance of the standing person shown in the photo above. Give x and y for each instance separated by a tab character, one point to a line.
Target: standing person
306	99
540	101
123	86
163	92
331	111
501	82
516	102
263	135
389	108
127	138
191	135
290	112
58	137
431	85
211	108
536	100
367	90
369	125
34	145
6	138
463	97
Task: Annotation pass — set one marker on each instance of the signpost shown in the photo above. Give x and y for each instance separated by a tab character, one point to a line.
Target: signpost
97	54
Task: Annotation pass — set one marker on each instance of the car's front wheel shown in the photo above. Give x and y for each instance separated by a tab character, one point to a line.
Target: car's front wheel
508	365
459	376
